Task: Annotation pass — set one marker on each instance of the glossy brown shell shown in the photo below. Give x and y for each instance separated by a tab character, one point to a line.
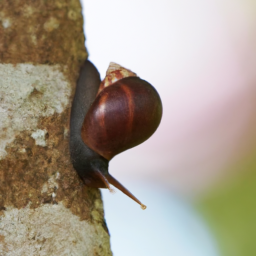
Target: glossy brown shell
122	116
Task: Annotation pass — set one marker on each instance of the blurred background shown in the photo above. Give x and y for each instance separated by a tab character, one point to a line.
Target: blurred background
197	173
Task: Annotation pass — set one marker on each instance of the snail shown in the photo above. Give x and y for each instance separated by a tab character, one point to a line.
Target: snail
108	118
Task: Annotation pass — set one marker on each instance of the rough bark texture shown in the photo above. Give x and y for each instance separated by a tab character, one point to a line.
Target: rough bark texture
44	207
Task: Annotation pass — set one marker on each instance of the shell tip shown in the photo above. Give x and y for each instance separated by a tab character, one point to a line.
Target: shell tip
124	72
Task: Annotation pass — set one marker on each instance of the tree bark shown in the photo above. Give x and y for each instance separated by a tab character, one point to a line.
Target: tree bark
44	207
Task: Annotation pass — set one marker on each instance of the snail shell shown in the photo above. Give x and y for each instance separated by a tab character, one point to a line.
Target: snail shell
125	113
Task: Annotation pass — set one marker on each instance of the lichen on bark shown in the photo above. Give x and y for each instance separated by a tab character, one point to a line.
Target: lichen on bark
41	51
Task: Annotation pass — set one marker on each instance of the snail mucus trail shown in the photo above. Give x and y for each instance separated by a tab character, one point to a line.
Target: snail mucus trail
108	118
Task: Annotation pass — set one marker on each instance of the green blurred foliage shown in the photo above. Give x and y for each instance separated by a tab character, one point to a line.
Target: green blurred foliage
230	209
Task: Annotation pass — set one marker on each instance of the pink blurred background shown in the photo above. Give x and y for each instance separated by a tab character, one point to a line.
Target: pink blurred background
200	56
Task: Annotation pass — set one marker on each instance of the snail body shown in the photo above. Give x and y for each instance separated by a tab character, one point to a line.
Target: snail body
108	118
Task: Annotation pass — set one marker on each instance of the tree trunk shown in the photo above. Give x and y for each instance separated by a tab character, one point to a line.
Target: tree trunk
45	209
